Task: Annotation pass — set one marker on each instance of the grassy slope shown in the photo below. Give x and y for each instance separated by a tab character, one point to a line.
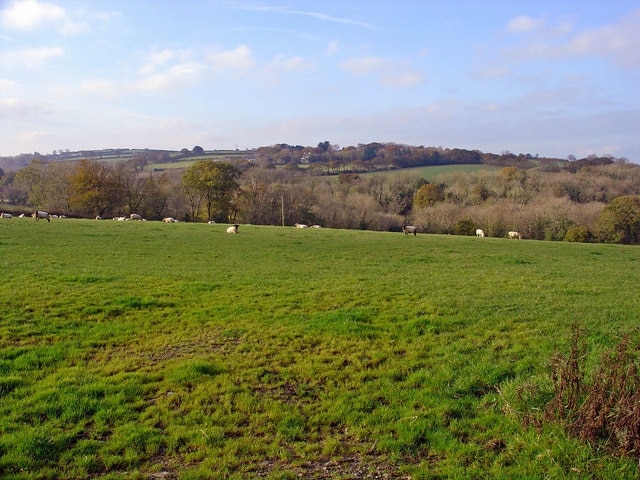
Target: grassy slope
432	173
130	348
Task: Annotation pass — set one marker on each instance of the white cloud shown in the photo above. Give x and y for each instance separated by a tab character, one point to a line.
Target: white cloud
240	57
169	68
28	15
30	57
524	24
285	64
17	108
282	66
363	66
98	87
6	85
616	42
402	79
390	73
159	59
174	76
332	48
494	72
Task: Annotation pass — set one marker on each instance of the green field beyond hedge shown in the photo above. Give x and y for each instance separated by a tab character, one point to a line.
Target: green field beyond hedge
152	350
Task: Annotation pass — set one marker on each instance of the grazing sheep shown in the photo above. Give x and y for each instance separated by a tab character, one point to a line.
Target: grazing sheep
409	229
515	235
120	219
98	217
480	233
5	215
169	220
301	225
233	229
135	216
316	226
38	214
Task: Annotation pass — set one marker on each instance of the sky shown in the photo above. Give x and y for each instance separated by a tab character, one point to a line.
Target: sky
546	77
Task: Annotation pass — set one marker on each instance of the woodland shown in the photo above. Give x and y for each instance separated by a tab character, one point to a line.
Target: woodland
370	187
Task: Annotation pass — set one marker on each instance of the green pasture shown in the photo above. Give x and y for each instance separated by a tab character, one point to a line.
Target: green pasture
153	350
215	155
433	172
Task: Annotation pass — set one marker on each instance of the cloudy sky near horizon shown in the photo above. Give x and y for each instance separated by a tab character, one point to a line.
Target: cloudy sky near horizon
547	77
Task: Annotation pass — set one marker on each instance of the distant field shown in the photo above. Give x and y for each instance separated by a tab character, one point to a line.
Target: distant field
432	173
216	155
152	350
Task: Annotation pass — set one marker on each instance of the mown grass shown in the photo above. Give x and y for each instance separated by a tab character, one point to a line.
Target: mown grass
129	350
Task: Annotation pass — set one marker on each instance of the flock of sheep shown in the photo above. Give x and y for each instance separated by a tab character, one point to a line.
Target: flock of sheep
406	229
38	214
409	229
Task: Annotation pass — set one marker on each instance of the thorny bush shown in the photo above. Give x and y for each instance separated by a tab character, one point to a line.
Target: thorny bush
605	408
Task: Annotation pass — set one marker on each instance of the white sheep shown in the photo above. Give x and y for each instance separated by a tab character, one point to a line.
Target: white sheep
409	229
38	214
515	235
301	225
480	233
233	229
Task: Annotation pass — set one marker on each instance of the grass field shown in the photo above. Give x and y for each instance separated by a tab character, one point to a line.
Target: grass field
152	350
433	172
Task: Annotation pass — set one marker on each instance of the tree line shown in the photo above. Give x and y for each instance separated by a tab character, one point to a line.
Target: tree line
592	199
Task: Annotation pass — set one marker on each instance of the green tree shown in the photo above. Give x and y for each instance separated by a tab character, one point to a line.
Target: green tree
428	194
619	222
96	190
214	184
33	179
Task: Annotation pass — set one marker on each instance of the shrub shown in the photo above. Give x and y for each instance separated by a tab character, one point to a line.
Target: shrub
578	234
465	227
605	409
619	222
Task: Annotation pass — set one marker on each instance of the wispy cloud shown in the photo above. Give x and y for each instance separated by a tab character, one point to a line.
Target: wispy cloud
174	76
99	88
616	42
390	73
171	68
332	48
239	58
159	59
325	17
524	24
29	57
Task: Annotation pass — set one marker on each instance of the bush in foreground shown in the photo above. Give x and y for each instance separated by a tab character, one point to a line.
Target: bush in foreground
603	410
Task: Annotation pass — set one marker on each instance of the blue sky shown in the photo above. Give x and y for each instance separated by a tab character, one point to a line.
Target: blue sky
553	78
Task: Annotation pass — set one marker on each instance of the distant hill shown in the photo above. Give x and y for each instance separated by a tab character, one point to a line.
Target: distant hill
325	158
